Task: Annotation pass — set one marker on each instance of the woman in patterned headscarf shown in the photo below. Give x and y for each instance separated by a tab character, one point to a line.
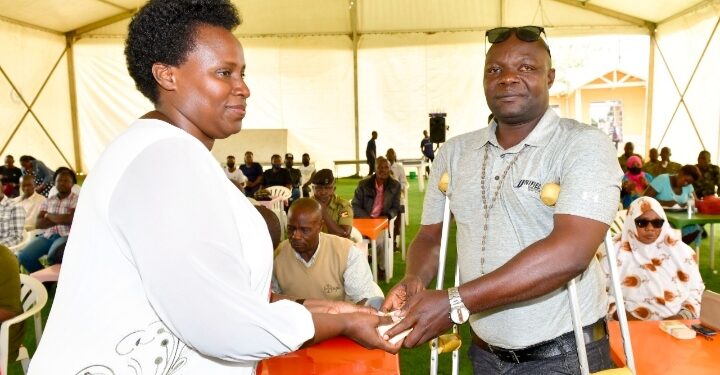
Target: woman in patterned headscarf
658	272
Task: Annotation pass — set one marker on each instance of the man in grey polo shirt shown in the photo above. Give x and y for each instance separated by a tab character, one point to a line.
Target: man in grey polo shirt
515	253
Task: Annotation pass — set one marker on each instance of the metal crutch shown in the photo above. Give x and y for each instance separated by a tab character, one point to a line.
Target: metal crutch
622	317
448	342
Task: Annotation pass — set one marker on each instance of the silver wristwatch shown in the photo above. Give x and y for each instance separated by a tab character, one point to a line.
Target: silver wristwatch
459	314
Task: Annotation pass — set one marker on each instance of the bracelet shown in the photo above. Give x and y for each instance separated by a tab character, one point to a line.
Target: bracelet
300	301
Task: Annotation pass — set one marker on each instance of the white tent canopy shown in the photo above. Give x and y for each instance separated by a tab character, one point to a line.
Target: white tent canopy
328	72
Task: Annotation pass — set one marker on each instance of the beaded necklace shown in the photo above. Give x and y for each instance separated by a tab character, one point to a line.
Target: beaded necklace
493	200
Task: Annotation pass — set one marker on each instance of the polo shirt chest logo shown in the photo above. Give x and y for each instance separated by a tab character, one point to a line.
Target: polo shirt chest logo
532	186
331	289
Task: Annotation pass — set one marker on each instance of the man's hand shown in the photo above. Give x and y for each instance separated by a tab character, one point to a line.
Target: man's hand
402	292
336	307
428	314
362	328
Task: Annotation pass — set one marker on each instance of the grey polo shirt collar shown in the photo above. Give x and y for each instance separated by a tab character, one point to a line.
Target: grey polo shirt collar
540	136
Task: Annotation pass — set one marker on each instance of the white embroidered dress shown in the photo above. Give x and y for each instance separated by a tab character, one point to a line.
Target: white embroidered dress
167	270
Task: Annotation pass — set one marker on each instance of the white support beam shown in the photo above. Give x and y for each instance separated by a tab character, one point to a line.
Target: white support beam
610	13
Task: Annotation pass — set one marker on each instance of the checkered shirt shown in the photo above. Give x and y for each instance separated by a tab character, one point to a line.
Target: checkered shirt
12	222
55	205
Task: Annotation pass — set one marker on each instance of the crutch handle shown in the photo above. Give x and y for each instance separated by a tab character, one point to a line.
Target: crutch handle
447	343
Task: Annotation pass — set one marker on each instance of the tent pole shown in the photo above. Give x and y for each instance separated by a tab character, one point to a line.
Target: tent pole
649	95
70	41
353	23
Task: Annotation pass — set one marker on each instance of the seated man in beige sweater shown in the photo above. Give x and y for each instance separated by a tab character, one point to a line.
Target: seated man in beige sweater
311	264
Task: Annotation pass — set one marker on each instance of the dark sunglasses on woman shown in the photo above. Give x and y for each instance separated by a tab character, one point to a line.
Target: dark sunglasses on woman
642	223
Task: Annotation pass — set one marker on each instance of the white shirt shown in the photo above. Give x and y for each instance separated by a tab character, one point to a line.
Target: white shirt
306	173
236	175
398	173
165	276
32	208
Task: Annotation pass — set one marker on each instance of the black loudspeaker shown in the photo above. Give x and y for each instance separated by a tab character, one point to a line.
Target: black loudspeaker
437	129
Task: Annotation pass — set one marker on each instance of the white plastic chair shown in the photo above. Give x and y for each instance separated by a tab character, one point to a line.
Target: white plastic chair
281	192
27	236
34	297
278	205
622	317
361	243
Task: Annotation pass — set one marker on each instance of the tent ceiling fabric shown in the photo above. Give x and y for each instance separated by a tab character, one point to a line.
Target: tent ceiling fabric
278	17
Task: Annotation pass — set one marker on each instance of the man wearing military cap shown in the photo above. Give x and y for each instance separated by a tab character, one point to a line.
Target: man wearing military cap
337	214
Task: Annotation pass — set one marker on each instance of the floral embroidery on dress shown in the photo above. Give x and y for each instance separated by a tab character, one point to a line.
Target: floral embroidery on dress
153	350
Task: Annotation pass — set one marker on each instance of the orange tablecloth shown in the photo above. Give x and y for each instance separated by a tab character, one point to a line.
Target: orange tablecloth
338	356
657	353
370	227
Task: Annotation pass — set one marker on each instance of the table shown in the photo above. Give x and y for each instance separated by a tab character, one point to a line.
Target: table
680	219
338	356
371	228
657	353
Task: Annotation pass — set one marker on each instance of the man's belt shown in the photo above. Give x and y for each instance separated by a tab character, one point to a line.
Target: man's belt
546	349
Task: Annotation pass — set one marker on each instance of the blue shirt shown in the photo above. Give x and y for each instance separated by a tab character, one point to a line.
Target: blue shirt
664	190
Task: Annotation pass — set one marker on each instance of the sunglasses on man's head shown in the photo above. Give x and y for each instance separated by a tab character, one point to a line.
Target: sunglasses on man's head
524	33
642	223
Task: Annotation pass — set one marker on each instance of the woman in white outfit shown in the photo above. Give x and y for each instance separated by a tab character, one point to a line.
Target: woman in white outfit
168	269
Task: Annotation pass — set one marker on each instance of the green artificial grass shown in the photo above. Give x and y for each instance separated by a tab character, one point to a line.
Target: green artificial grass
417	361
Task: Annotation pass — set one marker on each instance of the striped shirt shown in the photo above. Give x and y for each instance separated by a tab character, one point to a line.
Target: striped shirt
12	221
55	205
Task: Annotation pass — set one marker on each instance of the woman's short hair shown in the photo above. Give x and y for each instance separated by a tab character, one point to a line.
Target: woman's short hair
163	31
67	171
26	158
691	170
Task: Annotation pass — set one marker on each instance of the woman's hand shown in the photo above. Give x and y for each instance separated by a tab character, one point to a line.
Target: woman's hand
336	307
396	298
362	328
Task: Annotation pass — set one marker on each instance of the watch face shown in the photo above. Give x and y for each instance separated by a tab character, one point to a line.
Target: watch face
459	315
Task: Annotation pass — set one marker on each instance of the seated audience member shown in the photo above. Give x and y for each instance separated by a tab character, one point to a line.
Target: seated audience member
277	175
75	187
295	176
709	181
44	176
652	166
396	170
56	215
253	171
29	200
312	264
398	173
375	196
336	212
307	170
676	189
634	182
10	304
629	152
659	276
667	166
10	177
12	221
234	174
